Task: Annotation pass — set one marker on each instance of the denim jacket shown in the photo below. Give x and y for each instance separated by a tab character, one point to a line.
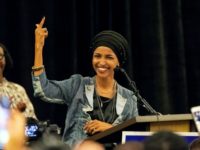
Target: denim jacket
77	93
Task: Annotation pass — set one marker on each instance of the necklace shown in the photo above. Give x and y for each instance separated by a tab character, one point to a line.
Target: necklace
101	105
110	107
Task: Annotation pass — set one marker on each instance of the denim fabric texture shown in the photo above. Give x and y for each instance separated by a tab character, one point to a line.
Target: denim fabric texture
77	93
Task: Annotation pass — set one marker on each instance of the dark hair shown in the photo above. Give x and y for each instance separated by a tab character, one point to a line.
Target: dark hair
8	58
130	145
165	140
49	142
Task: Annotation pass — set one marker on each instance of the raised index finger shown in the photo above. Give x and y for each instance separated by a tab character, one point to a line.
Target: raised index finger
42	22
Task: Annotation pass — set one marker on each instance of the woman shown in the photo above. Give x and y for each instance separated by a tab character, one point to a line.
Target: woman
96	103
18	97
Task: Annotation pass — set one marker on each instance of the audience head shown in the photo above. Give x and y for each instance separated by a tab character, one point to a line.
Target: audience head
195	145
165	140
50	142
130	146
88	145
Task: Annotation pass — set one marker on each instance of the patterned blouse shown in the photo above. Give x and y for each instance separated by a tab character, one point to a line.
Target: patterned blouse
18	97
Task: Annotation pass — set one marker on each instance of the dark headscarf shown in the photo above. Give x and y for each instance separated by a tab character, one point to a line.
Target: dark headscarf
113	40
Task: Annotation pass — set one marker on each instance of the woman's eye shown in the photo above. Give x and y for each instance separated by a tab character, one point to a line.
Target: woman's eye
97	56
110	57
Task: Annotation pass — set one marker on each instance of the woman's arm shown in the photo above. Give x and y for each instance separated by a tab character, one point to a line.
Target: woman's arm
47	91
40	35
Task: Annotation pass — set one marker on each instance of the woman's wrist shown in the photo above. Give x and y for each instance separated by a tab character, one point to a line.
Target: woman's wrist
37	68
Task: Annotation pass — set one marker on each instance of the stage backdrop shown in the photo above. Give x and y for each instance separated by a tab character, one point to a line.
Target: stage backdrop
163	36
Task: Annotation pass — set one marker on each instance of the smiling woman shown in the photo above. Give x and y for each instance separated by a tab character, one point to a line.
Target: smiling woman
95	103
104	62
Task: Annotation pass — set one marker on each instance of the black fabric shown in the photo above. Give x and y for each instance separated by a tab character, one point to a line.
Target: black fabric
106	107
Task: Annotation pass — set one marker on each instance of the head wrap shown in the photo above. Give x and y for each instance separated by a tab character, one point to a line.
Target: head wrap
113	40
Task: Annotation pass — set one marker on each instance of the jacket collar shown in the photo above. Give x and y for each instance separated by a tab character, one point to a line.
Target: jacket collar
120	102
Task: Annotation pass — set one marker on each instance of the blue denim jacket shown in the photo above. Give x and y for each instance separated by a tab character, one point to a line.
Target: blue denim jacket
77	92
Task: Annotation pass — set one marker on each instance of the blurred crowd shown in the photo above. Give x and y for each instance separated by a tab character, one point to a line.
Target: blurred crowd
161	140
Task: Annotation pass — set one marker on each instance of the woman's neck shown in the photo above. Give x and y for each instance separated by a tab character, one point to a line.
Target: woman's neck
105	87
105	83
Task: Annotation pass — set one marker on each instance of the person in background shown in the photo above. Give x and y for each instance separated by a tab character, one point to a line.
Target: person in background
15	127
49	142
195	144
18	97
89	145
132	145
18	141
95	103
165	140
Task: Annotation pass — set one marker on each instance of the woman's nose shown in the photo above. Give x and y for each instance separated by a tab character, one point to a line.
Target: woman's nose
102	61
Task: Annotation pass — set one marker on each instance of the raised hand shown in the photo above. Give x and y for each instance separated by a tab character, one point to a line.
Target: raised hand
40	35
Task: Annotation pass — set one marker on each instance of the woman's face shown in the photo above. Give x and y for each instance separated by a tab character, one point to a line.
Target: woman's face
2	60
104	61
